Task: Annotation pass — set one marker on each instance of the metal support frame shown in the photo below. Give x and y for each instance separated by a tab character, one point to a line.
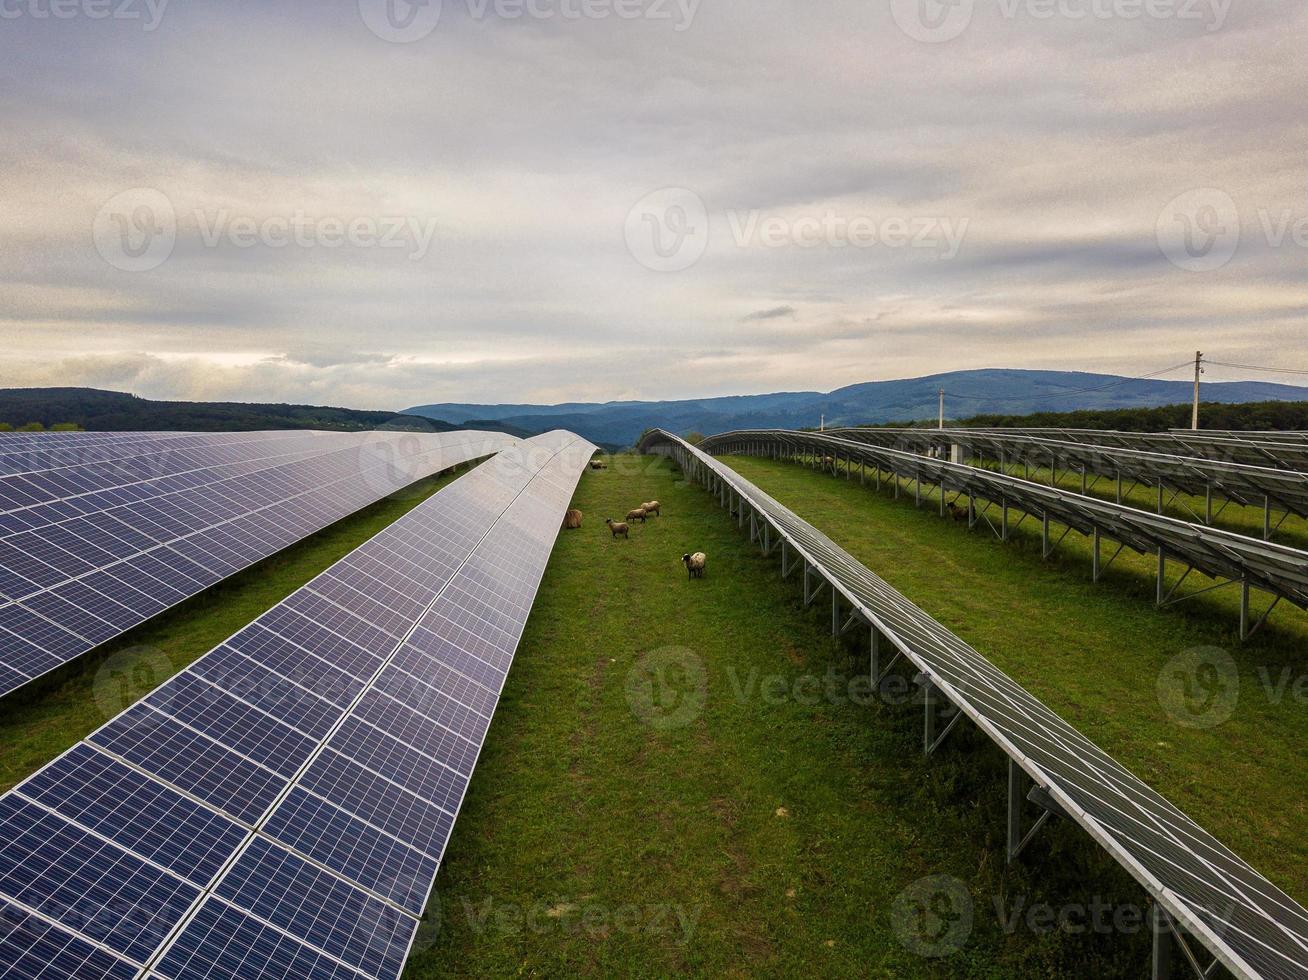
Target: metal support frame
1247	630
931	738
1168	936
1017	782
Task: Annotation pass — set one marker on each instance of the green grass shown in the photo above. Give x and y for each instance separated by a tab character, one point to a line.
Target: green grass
1095	653
757	834
38	724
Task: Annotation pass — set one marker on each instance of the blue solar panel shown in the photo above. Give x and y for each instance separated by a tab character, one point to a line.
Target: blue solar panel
95	547
33	949
319	747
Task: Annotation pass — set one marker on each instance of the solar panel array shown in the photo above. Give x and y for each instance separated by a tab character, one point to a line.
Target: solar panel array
1248	923
1239	482
99	534
280	808
1285	451
1274	568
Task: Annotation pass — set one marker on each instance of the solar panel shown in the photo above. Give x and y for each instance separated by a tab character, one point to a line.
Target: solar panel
281	807
1246	922
89	550
1199	476
1274	568
1261	449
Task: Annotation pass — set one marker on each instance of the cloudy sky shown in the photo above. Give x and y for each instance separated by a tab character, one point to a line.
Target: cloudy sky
369	203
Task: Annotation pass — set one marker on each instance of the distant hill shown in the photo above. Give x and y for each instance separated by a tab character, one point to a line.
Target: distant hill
992	391
106	411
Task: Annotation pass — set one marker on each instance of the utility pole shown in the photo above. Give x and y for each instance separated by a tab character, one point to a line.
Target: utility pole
1198	370
822	422
942	408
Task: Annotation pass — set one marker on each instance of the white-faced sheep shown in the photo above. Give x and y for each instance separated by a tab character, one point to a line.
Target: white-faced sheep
695	564
636	515
651	507
572	519
617	527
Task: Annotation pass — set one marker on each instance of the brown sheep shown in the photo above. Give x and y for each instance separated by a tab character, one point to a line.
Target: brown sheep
956	512
695	564
652	507
617	527
636	515
572	519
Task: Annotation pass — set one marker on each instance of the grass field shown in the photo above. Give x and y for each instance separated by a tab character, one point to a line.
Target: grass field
37	725
1097	654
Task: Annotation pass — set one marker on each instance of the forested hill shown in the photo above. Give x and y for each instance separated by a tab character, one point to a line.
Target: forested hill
93	409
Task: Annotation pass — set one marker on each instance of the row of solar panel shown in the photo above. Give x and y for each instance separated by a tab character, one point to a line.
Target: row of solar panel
1280	450
76	582
1275	568
280	808
1239	482
1251	925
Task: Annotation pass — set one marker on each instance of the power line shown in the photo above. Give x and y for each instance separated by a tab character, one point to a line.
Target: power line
1257	367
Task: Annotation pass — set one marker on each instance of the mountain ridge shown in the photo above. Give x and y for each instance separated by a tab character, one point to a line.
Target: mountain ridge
1004	391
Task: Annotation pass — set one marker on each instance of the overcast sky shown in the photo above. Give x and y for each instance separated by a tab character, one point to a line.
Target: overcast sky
375	204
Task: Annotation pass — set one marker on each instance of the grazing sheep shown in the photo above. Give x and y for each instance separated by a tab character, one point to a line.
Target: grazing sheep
597	464
636	515
694	564
572	519
652	507
617	527
956	512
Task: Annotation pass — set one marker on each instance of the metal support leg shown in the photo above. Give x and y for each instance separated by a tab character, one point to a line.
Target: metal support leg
1267	518
1162	571
1094	560
1003	519
1208	503
1044	534
1161	960
835	613
930	739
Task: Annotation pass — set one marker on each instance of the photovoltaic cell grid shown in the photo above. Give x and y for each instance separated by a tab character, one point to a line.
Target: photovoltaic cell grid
1242	483
280	808
1275	568
81	563
1250	924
